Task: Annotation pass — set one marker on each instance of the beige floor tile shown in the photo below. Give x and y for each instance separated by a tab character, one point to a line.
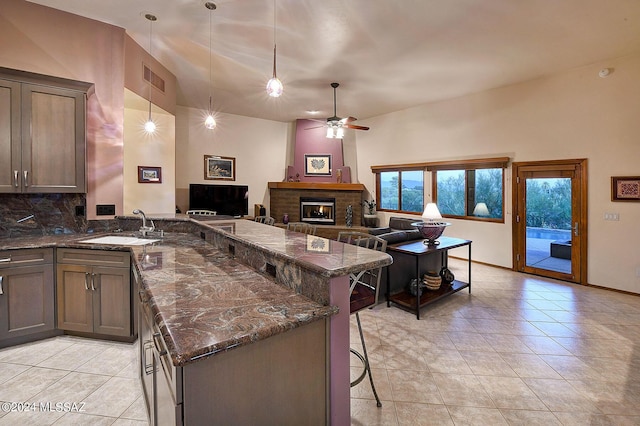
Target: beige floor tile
559	395
35	418
463	390
488	364
446	361
511	393
72	357
530	418
25	386
530	365
366	413
136	411
33	353
363	389
8	370
111	362
475	416
74	419
413	386
506	343
114	397
72	388
543	345
414	414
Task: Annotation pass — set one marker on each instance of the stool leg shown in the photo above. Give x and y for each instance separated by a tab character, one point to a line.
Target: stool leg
366	363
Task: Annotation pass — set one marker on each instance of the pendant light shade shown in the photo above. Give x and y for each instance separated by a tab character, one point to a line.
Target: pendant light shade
210	121
150	125
274	85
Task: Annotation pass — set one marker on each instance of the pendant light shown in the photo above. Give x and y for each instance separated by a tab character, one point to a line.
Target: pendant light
150	125
274	85
210	121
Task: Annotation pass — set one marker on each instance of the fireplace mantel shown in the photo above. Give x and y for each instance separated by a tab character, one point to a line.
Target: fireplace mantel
326	186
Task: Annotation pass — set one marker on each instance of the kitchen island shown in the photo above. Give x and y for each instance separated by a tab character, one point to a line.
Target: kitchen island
254	320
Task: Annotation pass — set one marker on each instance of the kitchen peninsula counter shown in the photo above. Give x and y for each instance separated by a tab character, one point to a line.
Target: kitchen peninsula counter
217	285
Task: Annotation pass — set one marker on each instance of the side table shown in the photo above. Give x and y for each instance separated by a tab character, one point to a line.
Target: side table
414	253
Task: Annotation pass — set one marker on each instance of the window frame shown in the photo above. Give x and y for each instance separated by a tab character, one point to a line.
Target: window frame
399	171
469	167
434	166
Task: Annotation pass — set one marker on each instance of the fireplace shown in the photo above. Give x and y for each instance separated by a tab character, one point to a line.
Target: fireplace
318	210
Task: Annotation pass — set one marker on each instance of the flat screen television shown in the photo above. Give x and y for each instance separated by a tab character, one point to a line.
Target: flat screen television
231	200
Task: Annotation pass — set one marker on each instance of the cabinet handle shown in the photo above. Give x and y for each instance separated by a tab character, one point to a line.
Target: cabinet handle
26	178
15	178
148	366
86	281
93	282
1	290
6	259
155	343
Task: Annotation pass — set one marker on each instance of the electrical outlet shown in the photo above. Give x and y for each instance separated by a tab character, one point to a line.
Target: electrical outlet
79	210
105	209
612	216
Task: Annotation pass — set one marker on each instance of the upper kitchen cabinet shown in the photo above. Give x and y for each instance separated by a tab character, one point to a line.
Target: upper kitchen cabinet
42	134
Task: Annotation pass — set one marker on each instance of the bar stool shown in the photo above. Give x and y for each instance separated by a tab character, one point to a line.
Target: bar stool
364	287
304	227
267	220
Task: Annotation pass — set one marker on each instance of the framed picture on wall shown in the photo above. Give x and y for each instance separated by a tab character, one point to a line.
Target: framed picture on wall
219	168
147	174
317	165
625	188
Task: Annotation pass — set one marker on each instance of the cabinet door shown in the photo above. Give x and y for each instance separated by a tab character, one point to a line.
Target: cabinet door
27	301
111	301
53	138
75	298
10	155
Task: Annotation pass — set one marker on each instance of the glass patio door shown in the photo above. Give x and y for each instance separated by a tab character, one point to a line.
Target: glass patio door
549	236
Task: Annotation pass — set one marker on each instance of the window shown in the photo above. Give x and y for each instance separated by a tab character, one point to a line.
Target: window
469	191
401	191
464	189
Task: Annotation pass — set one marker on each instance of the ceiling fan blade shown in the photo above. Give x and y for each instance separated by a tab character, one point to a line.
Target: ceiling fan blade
349	119
317	121
315	127
353	126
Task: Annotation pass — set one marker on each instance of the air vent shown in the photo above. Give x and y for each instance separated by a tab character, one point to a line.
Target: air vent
152	78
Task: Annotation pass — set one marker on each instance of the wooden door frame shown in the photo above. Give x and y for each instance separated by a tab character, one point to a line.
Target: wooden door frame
518	244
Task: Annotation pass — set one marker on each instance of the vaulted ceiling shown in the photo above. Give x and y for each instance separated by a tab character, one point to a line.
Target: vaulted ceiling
386	55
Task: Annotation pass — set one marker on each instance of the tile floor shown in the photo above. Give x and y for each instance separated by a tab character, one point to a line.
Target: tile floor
520	350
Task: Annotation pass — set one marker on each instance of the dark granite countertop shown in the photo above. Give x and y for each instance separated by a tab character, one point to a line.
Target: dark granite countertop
204	301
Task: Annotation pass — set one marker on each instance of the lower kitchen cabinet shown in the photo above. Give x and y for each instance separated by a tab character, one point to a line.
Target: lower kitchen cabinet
27	302
94	291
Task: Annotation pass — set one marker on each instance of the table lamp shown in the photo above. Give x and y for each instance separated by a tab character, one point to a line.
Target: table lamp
431	228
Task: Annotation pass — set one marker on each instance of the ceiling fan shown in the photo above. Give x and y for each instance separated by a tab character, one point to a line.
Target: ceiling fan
336	125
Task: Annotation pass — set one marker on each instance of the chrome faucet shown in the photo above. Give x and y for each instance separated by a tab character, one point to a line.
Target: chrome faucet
144	229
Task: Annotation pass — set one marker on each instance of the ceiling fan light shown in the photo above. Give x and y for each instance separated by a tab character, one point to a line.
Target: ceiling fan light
339	133
210	122
274	87
330	132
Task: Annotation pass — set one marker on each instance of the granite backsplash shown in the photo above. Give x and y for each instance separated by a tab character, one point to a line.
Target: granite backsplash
41	214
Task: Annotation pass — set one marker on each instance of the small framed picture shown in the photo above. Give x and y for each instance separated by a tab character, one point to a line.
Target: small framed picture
625	188
317	165
147	174
219	168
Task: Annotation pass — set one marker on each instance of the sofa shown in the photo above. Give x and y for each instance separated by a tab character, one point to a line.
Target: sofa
400	229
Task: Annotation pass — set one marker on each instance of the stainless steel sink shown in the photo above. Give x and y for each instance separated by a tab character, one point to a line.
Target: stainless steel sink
119	240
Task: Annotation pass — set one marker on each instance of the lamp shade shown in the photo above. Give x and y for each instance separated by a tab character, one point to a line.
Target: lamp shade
431	212
481	210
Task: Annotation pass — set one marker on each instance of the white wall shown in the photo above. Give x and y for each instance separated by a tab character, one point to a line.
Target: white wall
574	114
141	149
262	150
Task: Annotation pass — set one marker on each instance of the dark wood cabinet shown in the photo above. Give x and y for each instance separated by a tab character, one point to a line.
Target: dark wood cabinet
42	134
27	302
94	291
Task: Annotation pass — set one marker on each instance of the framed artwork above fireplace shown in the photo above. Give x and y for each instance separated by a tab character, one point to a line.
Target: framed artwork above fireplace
317	165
